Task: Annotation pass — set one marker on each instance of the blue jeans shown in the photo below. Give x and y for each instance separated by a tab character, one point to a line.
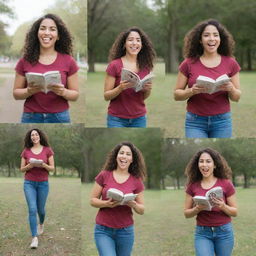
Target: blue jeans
217	126
36	194
114	241
60	117
114	121
210	241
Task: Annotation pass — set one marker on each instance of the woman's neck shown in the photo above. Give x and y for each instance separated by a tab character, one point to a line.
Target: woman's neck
208	56
122	171
208	182
36	145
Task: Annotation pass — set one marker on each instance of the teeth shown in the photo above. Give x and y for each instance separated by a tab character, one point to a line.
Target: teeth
46	39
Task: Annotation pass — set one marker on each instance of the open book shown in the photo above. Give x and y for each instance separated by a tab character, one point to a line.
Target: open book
44	80
35	161
134	79
119	196
210	84
216	192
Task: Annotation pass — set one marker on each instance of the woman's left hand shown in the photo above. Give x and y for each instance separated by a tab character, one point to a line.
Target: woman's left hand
58	89
218	202
228	87
147	87
132	203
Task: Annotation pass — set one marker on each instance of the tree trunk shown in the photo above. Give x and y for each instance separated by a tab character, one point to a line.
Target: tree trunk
91	61
249	59
246	181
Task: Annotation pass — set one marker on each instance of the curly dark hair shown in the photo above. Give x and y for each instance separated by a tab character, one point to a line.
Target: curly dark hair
221	170
137	168
192	41
146	55
64	44
43	138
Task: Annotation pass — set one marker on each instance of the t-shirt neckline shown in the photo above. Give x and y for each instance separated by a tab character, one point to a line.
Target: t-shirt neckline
221	59
119	182
50	63
38	153
210	187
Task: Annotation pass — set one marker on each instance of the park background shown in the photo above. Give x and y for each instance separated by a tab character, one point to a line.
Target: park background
167	22
163	230
73	13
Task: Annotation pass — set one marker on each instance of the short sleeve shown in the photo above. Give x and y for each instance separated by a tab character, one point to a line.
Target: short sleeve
139	186
189	190
235	68
23	153
20	67
230	190
100	178
184	68
73	67
112	69
49	152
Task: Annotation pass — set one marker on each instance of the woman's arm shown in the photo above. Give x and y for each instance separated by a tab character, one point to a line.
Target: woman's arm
138	204
24	167
110	91
233	88
19	90
71	92
95	200
230	208
147	90
189	210
183	93
49	167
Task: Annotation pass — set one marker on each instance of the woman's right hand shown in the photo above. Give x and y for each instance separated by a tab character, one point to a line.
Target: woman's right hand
200	207
196	89
125	85
111	204
33	88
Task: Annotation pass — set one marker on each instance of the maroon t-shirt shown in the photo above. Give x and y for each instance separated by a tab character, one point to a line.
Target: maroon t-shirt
50	102
37	173
128	104
215	217
208	104
119	216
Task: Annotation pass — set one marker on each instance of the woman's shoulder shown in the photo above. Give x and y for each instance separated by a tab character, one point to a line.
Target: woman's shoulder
65	56
228	59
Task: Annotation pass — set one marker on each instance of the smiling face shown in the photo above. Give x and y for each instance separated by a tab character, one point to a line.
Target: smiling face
133	43
124	158
210	39
206	165
35	137
48	33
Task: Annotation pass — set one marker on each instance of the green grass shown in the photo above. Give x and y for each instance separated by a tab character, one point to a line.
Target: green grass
63	210
166	113
163	230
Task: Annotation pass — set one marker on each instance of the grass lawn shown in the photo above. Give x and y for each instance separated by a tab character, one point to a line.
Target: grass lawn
62	235
166	113
163	230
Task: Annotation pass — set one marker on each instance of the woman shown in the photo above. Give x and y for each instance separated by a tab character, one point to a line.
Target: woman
36	162
214	234
208	51
132	50
48	47
124	170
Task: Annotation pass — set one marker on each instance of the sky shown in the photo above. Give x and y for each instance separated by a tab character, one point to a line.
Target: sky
26	10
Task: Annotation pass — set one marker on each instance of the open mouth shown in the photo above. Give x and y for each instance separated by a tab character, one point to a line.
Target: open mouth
46	39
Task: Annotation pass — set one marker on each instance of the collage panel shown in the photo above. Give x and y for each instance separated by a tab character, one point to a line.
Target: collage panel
40	190
117	163
43	61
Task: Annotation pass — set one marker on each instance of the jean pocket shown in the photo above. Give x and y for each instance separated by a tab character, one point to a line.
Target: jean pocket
129	229
26	116
63	117
226	228
190	116
224	116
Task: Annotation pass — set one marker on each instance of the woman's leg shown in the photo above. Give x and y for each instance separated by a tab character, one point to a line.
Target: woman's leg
61	117
221	126
224	241
196	126
203	242
31	197
42	193
124	241
104	240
